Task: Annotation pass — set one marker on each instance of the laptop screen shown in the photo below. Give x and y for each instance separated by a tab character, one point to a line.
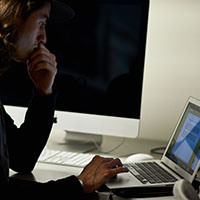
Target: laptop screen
184	148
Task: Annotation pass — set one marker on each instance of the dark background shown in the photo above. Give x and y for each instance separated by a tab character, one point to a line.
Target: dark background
100	56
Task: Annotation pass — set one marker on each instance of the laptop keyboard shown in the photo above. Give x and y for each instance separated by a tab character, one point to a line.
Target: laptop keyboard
150	172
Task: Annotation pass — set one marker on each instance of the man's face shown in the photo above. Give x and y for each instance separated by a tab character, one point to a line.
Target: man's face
32	32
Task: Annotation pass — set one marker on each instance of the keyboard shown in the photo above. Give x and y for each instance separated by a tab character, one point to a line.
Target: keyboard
150	172
65	158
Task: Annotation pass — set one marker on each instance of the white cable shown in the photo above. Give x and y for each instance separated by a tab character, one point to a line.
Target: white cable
109	151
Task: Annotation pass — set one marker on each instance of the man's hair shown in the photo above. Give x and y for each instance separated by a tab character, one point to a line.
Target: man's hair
12	14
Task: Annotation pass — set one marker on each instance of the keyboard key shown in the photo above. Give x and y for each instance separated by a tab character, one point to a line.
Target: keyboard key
150	172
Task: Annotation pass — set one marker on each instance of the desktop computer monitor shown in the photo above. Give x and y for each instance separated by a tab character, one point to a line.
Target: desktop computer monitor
100	55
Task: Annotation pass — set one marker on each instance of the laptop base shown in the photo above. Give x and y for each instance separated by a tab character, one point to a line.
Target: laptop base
138	192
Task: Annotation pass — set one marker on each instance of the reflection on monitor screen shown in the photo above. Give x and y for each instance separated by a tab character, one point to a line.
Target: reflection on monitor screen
100	56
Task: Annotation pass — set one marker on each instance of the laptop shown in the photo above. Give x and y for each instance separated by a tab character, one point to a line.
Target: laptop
179	161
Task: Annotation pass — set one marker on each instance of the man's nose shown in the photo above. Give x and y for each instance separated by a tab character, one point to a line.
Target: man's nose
42	37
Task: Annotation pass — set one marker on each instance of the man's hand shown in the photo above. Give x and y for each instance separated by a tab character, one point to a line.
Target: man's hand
42	69
98	171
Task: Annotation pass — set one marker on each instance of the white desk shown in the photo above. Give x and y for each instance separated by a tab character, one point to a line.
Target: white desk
44	172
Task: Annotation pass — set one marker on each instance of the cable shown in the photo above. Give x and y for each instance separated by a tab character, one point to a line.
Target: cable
97	146
158	150
111	150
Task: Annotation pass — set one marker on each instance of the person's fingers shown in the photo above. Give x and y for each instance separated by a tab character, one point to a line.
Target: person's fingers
39	55
121	169
113	172
114	163
108	159
40	50
41	58
43	66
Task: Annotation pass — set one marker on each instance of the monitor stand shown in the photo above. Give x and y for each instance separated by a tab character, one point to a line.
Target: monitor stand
86	142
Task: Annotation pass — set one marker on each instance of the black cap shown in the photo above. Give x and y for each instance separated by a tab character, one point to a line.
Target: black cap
60	12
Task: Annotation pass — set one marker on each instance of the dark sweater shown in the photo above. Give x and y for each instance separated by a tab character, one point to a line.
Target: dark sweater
21	147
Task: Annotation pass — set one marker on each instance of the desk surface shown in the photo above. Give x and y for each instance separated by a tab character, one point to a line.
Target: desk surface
44	172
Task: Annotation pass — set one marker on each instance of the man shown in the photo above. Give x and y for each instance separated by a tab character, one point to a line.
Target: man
22	39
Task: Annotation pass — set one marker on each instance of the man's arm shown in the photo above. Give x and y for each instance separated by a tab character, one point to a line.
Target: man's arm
69	188
26	143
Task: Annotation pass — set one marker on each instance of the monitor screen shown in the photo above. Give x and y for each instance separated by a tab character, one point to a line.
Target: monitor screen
100	55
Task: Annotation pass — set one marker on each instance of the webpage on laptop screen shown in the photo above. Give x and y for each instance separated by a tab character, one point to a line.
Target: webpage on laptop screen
184	149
